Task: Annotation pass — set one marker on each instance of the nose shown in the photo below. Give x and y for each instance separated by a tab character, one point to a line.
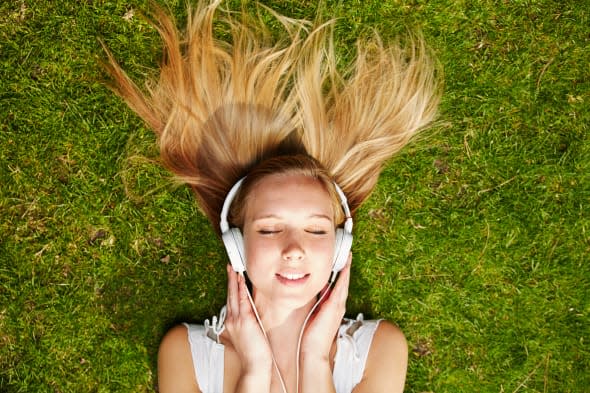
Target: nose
292	249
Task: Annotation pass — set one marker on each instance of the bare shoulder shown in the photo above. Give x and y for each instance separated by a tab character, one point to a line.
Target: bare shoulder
175	364
390	336
387	361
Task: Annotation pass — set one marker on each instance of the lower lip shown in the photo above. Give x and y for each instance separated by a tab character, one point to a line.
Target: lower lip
298	281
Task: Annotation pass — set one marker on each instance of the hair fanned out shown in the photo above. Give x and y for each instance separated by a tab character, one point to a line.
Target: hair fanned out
220	107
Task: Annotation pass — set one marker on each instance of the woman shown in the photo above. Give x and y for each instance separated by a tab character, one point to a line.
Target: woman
280	150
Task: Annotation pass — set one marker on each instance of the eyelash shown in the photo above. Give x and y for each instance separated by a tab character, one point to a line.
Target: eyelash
271	232
265	232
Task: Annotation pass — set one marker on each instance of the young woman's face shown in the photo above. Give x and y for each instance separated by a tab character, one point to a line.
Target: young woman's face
289	237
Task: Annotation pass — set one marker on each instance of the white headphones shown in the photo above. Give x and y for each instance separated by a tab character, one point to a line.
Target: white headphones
234	242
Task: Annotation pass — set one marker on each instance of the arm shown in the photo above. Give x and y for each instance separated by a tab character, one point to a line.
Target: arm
387	362
254	383
316	375
175	364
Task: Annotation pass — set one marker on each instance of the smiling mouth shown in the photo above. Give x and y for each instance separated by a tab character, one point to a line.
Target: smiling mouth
292	278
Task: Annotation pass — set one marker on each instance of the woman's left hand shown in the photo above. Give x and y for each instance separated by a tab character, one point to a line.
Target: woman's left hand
324	323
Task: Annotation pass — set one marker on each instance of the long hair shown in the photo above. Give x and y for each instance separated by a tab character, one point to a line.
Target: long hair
221	107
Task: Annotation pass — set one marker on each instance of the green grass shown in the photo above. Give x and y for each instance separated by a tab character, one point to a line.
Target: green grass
476	240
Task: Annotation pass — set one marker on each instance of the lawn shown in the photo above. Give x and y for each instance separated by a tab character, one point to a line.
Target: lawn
476	241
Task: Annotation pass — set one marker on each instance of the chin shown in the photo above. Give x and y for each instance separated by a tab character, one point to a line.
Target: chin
297	303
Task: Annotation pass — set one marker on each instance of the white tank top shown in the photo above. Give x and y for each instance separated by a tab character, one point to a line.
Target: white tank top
352	348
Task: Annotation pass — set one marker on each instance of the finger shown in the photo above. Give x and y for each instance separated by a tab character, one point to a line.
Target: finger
344	275
232	292
347	268
340	290
243	301
343	284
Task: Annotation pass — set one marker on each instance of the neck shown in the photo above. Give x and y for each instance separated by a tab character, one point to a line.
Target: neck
283	327
282	323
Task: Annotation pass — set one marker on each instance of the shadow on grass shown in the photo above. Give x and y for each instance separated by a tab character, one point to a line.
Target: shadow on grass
165	286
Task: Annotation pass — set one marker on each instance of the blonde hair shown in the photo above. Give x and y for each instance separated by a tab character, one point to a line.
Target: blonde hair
221	107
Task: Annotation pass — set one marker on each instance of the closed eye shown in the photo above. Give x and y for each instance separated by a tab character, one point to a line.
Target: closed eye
268	231
317	232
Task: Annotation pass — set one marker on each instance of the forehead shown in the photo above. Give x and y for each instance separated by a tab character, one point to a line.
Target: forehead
284	194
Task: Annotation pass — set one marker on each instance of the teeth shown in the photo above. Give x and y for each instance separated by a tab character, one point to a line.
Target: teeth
293	276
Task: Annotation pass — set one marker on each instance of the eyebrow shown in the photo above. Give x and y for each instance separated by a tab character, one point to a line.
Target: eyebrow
275	216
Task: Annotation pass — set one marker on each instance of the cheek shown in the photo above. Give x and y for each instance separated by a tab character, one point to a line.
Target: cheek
257	251
325	251
254	254
326	246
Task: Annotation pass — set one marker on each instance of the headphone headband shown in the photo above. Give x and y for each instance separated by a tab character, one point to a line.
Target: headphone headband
223	225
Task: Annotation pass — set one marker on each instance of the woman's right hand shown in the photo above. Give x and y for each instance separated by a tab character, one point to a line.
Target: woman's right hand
245	333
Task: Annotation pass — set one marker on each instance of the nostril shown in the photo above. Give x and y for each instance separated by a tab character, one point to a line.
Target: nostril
293	254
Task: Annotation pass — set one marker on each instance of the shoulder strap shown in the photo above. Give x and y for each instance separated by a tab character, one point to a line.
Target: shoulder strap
208	359
352	349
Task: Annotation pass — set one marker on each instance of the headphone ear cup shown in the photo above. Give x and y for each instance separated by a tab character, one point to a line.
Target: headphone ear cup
341	249
234	245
